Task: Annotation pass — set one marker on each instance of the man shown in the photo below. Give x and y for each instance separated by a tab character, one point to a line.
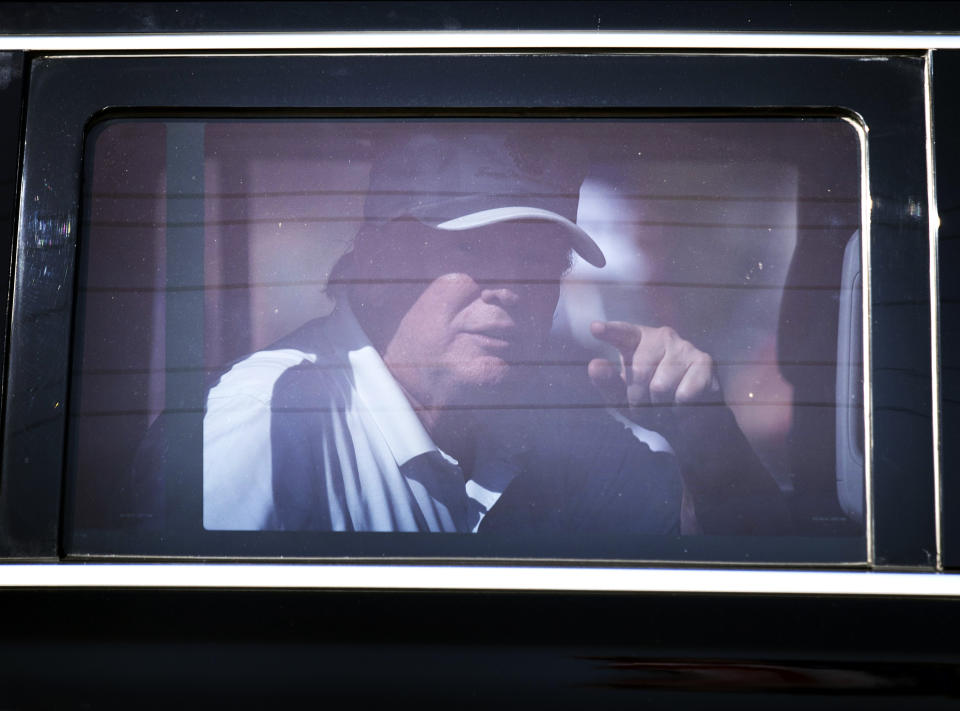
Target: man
426	401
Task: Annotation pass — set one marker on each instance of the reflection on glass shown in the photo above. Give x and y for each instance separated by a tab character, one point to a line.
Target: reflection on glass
537	327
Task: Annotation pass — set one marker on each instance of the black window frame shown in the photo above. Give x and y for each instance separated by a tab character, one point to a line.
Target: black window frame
887	91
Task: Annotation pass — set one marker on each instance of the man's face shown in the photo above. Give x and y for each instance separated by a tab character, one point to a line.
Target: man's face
482	306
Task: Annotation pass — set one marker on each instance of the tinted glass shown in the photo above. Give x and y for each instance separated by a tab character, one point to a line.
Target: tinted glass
602	338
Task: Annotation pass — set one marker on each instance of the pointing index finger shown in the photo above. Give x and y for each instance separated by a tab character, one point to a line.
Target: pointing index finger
625	337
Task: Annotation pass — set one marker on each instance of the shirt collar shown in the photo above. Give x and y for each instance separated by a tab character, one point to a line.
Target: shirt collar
379	391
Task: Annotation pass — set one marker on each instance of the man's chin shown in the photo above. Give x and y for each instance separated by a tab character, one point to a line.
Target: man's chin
487	377
488	370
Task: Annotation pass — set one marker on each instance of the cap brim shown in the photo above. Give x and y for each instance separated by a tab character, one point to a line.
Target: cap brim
581	242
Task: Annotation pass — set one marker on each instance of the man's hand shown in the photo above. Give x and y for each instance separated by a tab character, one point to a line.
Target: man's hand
656	367
659	372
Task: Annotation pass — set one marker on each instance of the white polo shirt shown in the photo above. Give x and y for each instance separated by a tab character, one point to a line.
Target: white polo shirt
381	470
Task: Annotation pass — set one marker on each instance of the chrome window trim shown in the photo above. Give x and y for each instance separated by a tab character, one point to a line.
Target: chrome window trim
933	226
866	207
477	578
474	39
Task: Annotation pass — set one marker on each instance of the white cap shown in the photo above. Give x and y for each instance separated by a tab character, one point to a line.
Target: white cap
579	240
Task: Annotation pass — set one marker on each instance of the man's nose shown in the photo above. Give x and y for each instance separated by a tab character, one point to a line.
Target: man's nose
502	295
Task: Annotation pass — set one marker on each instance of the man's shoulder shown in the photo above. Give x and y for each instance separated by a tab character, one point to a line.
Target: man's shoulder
255	376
